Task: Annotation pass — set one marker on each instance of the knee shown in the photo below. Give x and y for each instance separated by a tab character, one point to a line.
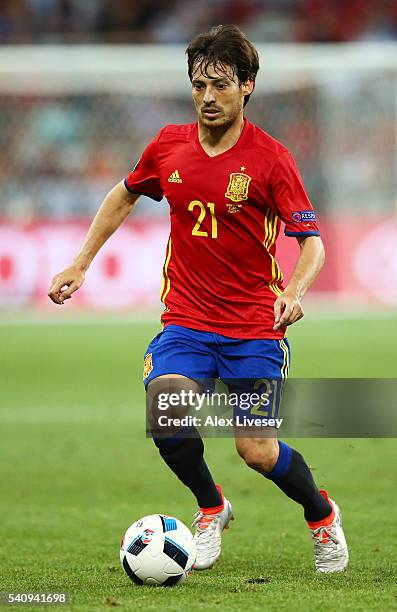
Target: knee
261	458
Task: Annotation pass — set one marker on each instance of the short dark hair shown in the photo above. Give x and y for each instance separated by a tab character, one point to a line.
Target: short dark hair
224	46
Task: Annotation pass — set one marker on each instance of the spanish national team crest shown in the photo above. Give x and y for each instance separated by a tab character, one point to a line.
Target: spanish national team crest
237	190
147	365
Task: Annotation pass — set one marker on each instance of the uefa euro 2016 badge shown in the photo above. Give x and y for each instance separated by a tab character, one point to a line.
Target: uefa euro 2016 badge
147	536
237	190
147	365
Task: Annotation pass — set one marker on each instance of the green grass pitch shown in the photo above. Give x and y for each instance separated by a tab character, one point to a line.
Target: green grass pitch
76	470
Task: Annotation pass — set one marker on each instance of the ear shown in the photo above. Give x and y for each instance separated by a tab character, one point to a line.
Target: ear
248	87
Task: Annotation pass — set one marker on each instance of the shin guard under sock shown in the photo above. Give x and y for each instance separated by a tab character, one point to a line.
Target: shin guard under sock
293	476
185	457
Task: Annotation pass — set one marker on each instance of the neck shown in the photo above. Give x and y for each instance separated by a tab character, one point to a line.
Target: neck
218	140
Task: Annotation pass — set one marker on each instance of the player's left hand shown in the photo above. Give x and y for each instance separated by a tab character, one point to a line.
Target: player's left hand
287	310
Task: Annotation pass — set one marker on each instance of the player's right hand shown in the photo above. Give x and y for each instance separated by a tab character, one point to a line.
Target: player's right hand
65	283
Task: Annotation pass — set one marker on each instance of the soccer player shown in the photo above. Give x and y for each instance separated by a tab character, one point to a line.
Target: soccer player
229	186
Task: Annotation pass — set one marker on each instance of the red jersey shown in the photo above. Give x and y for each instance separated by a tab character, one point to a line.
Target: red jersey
220	273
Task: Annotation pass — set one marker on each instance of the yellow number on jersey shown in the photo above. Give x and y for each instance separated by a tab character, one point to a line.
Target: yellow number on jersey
196	231
214	223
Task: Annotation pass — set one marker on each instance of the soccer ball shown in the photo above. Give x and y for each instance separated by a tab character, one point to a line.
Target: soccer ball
158	550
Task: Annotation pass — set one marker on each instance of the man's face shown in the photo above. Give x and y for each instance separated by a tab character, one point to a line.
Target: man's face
218	97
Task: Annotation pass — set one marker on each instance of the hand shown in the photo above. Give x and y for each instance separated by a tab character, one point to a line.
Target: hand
65	283
287	310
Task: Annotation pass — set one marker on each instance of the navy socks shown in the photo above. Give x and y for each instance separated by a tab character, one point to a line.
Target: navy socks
293	476
185	457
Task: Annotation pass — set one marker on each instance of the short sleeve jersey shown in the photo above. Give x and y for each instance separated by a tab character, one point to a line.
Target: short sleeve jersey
220	272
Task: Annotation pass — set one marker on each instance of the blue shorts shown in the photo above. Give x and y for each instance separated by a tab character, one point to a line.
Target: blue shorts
206	356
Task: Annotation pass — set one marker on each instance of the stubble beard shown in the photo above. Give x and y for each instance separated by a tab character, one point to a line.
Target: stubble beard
223	123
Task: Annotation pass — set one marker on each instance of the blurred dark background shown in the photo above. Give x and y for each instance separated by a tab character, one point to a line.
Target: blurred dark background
175	21
86	84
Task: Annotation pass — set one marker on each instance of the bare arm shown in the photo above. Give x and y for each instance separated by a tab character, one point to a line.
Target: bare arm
288	308
114	209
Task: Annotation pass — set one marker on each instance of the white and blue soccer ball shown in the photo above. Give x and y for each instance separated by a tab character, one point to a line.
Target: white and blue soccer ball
158	550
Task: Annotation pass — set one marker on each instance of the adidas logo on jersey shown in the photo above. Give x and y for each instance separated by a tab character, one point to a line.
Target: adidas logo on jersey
174	177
